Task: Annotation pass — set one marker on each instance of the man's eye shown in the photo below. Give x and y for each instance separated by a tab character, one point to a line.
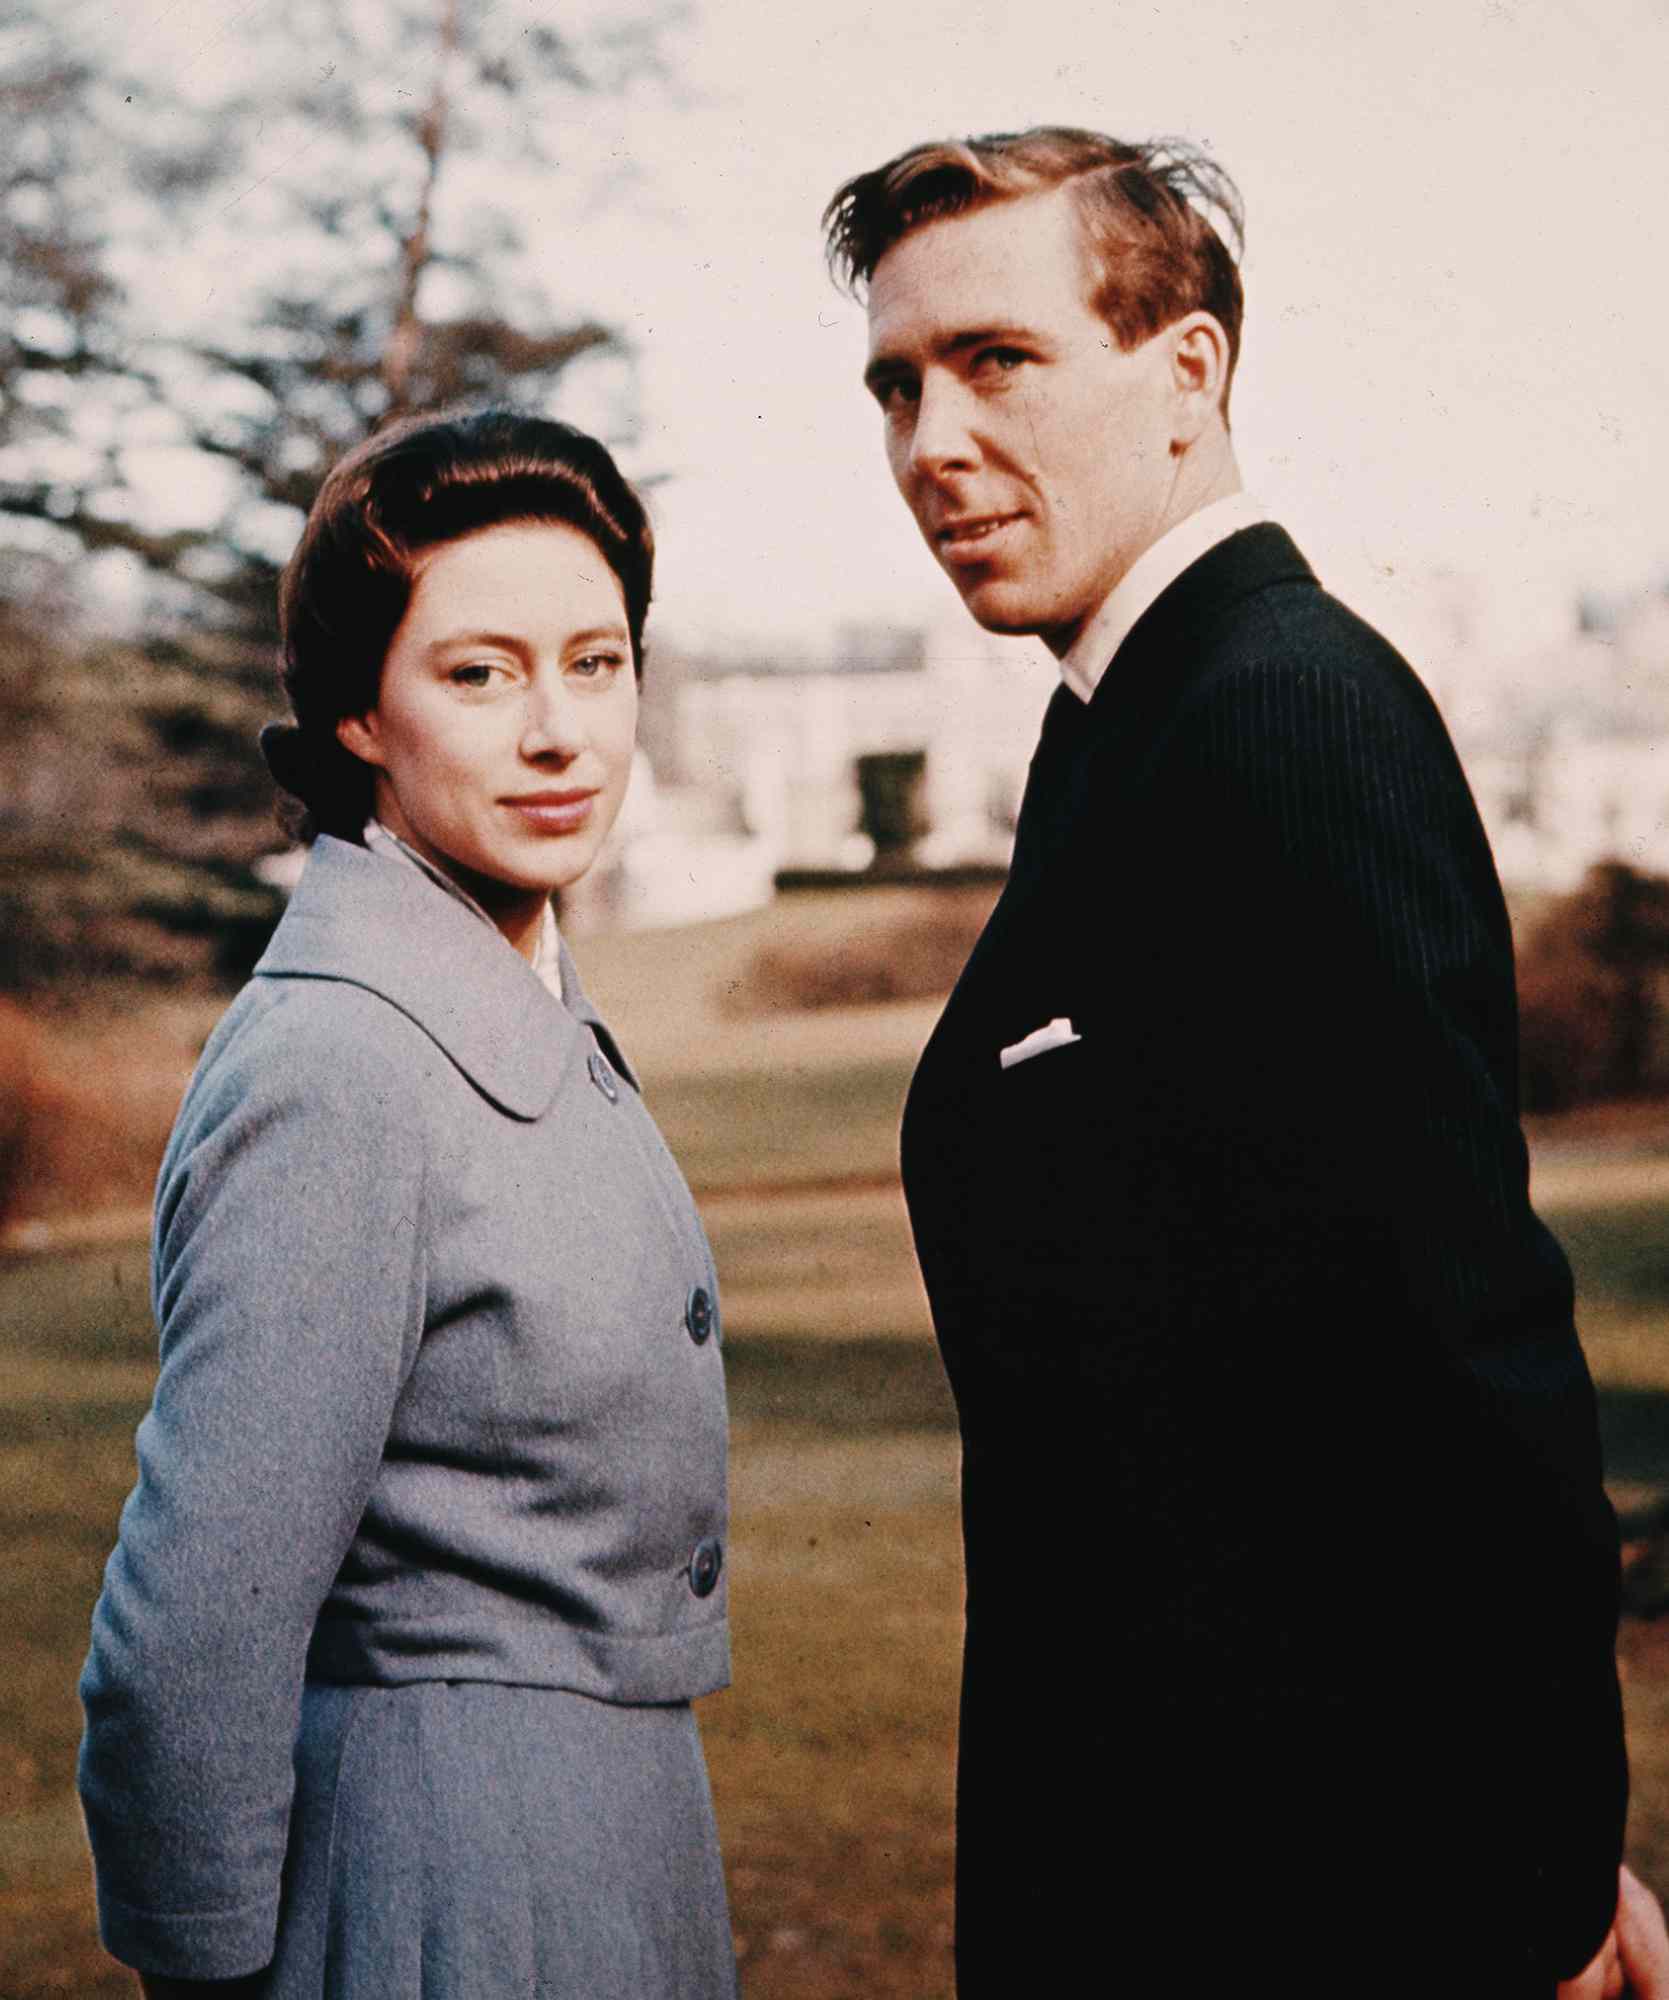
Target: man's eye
1001	360
896	394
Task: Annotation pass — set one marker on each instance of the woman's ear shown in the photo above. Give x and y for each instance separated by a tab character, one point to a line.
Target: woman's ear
358	733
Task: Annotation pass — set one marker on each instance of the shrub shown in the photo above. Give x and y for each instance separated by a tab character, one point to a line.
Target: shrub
1594	992
19	1085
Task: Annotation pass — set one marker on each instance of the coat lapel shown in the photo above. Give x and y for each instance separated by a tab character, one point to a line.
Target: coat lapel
1169	644
371	921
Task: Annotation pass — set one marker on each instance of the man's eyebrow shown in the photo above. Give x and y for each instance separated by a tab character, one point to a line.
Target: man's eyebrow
885	368
889	367
996	334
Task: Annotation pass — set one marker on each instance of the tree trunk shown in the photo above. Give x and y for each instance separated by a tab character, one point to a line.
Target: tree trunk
405	338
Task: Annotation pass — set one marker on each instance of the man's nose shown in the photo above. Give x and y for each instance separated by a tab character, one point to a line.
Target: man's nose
942	439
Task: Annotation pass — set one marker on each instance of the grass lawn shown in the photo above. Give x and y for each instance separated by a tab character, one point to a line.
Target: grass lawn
831	1755
744	1095
1621	1255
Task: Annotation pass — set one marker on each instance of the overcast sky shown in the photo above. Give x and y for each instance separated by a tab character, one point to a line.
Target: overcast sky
1454	388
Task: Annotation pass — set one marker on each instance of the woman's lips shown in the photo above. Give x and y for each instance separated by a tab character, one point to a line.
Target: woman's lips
553	812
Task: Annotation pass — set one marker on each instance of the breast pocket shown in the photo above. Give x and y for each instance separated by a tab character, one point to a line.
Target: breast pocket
1055	1034
1038	1111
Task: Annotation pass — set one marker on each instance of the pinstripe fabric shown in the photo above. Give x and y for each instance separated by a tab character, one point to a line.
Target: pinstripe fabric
1279	1448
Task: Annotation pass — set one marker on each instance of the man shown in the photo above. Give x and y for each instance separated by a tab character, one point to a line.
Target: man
1291	1581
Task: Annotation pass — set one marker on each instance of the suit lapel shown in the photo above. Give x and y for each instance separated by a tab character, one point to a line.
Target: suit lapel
1068	847
1169	645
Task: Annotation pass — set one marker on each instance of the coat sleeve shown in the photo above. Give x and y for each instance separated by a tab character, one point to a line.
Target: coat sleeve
1361	986
1360	1021
288	1284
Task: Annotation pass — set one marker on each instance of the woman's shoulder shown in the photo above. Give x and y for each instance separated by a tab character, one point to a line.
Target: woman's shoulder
307	1087
325	1048
277	1018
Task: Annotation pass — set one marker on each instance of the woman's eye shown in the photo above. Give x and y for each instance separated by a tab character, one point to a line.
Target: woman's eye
473	674
595	666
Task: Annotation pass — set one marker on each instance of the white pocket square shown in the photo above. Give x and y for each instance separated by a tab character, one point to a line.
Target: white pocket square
1055	1035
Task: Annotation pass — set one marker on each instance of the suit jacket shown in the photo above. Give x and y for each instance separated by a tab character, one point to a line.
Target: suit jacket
440	1397
1280	1455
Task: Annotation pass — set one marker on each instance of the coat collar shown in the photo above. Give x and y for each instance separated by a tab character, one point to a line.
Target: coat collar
1166	639
1169	644
1146	581
373	922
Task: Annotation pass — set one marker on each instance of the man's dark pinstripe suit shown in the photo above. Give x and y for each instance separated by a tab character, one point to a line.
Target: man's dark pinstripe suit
1291	1579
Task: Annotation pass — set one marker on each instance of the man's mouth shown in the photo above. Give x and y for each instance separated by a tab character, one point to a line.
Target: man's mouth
966	537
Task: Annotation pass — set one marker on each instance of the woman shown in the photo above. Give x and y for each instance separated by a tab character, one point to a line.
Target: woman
390	1681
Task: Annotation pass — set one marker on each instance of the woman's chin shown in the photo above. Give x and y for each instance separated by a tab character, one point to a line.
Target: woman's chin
498	871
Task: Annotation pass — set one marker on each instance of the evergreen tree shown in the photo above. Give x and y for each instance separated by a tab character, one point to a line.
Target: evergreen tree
207	295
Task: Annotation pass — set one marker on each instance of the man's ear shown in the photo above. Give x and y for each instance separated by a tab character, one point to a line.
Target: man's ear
358	733
1199	373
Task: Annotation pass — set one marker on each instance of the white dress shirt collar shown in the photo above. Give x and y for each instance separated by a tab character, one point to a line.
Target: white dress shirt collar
1150	574
547	952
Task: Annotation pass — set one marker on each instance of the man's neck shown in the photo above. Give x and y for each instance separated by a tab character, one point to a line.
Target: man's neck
1204	473
1160	564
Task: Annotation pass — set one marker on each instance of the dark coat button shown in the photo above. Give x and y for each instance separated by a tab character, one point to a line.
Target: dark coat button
699	1316
705	1565
602	1076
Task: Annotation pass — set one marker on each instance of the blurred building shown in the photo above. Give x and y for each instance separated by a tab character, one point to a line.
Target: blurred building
782	738
1568	758
749	760
756	755
755	764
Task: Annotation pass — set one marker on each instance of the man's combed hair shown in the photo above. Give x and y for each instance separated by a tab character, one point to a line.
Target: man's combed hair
1155	217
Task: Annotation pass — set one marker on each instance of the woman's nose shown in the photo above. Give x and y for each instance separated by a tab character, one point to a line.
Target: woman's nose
552	721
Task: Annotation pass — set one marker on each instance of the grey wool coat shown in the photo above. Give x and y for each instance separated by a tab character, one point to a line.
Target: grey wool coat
430	1517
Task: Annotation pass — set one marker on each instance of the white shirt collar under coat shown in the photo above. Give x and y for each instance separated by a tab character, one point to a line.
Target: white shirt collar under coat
1141	584
547	951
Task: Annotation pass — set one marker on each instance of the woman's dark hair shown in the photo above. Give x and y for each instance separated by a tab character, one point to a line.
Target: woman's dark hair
413	486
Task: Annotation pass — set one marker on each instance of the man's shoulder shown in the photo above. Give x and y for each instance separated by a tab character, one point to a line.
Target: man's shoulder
1250	615
1292	649
1281	610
